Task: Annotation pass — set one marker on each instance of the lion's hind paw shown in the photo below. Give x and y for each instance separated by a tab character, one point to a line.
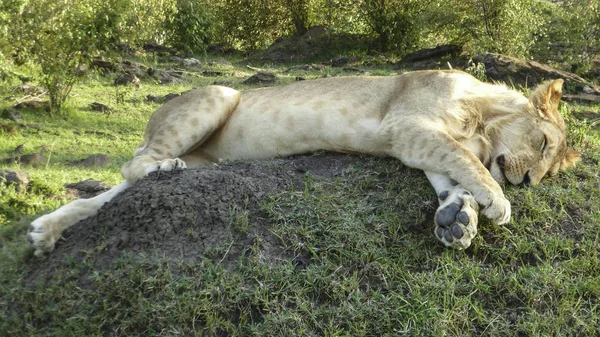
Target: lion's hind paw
456	219
41	235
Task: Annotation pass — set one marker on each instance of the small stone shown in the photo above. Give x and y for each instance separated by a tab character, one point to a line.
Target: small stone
127	79
170	96
87	188
95	160
18	178
262	77
100	107
175	59
12	114
191	62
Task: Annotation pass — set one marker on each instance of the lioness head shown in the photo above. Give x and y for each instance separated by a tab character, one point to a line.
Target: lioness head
533	144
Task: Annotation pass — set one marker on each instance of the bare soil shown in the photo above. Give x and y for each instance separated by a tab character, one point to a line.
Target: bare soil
190	215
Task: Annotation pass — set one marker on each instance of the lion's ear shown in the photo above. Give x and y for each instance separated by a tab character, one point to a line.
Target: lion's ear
570	159
546	97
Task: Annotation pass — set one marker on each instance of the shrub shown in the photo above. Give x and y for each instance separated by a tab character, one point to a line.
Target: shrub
502	26
55	36
252	24
396	23
192	27
571	33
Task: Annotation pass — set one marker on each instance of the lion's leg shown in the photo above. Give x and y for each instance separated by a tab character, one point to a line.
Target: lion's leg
435	151
177	129
174	129
456	217
47	229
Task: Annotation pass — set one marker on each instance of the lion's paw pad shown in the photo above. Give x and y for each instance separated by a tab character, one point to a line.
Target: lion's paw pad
456	219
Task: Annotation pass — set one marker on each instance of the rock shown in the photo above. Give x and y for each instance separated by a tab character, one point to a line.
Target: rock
8	129
587	115
35	160
342	61
18	178
439	51
126	67
353	70
154	98
582	98
165	76
87	188
191	62
103	65
170	96
34	105
32	89
303	47
590	91
128	79
175	59
162	99
226	83
12	114
95	160
19	149
518	72
211	73
133	68
262	77
100	107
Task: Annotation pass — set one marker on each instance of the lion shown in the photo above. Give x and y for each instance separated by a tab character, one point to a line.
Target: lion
469	137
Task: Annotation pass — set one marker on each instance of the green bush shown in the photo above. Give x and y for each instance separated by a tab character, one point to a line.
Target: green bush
571	33
396	23
192	27
252	24
55	36
502	26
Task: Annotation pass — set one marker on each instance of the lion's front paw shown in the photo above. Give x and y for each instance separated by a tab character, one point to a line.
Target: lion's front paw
456	219
167	165
43	234
498	210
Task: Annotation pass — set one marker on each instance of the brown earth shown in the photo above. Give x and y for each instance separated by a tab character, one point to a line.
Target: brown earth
188	215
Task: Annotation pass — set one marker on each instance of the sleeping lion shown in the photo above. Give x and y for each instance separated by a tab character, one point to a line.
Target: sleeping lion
467	136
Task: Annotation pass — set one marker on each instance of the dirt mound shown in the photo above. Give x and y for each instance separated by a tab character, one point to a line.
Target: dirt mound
191	215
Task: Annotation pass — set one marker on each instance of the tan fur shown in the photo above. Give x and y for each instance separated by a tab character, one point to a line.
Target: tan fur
447	123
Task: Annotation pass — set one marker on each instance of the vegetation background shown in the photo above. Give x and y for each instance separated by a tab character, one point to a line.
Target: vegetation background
539	276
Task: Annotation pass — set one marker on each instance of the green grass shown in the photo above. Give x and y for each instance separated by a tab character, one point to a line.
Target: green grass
374	267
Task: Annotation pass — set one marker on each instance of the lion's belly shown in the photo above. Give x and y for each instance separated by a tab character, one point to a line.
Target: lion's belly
259	132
